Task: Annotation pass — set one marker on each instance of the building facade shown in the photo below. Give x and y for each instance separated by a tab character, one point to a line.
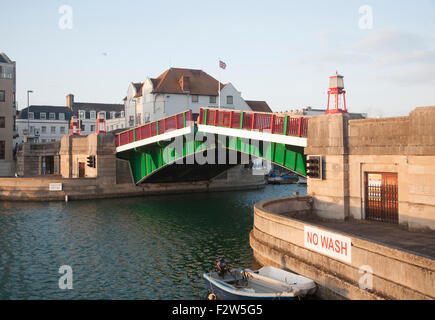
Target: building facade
175	91
49	123
7	115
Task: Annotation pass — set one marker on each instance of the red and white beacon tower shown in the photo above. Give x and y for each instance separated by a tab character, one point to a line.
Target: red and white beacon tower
336	88
74	129
101	123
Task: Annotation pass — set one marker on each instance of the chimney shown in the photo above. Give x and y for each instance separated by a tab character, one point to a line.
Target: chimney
184	83
70	101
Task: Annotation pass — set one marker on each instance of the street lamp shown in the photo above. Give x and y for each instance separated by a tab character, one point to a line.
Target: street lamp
28	111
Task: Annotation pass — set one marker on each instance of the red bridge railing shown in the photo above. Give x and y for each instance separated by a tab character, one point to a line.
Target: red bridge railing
254	121
151	129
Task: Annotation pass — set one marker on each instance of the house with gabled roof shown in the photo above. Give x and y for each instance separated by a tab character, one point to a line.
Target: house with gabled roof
176	90
45	123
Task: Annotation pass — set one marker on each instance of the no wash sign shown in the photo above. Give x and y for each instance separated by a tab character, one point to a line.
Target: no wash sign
327	243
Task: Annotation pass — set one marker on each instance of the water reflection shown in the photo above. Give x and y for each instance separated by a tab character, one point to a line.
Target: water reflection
131	248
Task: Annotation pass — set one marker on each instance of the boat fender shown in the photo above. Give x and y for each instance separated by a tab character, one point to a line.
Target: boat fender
211	296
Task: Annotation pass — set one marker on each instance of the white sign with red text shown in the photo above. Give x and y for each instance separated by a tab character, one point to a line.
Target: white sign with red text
327	243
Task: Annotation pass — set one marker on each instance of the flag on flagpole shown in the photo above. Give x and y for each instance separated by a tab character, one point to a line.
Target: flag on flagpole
222	65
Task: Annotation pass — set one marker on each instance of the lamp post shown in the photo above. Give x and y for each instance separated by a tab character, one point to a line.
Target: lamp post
28	111
135	113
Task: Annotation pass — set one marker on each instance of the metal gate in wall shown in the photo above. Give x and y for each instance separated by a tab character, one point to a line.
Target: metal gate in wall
381	198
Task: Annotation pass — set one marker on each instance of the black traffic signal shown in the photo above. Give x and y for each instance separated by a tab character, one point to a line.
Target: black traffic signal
314	167
91	161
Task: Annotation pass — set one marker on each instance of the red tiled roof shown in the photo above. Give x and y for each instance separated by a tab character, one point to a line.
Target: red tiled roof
259	106
138	87
200	82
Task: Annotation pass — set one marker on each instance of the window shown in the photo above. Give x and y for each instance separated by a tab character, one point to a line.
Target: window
44	129
93	115
61	116
52	116
43	140
92	127
212	99
229	99
53	140
62	129
53	129
82	114
122	114
2	122
112	115
82	127
31	115
32	130
195	98
2	149
43	115
2	95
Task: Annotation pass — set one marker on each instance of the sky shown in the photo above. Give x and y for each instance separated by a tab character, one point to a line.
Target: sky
282	52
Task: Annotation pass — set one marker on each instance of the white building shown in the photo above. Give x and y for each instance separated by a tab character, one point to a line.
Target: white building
50	123
175	91
7	115
310	111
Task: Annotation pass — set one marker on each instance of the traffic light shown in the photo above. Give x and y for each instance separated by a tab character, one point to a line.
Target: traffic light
91	161
314	167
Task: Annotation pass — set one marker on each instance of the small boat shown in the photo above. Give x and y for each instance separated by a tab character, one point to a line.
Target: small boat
302	180
275	180
266	283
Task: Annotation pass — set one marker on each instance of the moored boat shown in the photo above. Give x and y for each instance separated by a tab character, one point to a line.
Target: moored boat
264	284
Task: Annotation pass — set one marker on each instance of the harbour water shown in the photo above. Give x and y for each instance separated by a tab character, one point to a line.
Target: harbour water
129	248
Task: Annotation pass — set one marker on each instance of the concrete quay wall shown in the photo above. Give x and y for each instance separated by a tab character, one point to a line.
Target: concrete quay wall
37	188
352	148
278	239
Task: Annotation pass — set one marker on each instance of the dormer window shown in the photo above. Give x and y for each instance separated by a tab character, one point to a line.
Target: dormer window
61	116
93	115
52	116
31	115
112	115
82	114
43	116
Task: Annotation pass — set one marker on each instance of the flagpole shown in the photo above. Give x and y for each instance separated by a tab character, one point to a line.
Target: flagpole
219	81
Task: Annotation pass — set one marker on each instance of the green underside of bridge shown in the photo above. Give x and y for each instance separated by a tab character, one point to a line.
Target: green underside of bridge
146	161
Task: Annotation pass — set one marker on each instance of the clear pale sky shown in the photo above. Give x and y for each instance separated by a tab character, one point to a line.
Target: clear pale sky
279	51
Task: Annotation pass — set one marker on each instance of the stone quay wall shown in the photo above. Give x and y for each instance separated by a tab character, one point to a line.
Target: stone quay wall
278	239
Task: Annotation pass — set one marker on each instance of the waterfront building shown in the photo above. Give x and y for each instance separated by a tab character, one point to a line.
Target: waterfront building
42	123
7	115
310	111
177	90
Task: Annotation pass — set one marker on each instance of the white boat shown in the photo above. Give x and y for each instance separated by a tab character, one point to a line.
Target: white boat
302	180
303	285
265	283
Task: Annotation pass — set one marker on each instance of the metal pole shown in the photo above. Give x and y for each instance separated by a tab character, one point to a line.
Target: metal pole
28	111
219	81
